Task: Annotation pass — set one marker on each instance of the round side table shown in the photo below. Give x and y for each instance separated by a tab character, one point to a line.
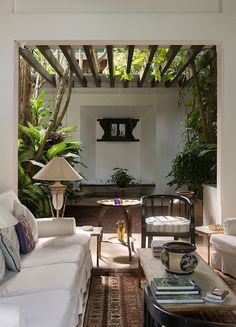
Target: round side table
107	204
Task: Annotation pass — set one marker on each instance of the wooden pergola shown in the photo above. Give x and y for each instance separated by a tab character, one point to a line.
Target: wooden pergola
87	70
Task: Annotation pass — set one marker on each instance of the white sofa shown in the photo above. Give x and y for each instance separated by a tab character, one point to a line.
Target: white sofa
223	248
49	289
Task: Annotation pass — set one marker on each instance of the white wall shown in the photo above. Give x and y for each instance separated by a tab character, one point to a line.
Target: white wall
159	131
201	27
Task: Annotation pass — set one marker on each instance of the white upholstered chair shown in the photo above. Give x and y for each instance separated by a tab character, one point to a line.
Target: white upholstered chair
223	248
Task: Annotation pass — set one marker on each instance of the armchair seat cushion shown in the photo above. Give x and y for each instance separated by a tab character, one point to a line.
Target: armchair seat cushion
167	224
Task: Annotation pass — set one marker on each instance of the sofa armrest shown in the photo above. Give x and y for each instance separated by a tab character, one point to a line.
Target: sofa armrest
48	227
230	226
11	315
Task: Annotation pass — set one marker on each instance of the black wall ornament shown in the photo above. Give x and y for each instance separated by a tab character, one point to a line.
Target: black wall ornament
118	129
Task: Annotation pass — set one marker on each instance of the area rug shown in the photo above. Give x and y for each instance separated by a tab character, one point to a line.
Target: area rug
116	300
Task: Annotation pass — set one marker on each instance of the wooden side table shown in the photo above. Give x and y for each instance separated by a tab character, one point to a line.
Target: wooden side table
205	231
97	232
125	206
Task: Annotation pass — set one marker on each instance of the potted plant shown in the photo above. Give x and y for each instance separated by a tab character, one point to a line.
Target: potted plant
121	177
191	169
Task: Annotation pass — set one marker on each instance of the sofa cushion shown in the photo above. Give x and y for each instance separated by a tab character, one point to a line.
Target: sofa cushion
11	315
24	234
167	224
44	309
81	238
10	252
40	279
52	254
19	210
2	265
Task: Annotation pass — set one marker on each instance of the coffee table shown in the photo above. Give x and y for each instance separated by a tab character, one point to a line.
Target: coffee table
204	275
205	231
125	206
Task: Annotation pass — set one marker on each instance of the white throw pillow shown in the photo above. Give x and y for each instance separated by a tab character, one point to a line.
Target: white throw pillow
19	210
2	266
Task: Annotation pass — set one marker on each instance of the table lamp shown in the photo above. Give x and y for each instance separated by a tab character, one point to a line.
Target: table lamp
57	170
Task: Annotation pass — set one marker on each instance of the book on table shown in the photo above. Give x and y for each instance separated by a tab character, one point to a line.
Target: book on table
196	290
182	298
216	295
174	283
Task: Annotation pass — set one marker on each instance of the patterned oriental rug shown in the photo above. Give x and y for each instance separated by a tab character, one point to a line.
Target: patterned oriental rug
115	300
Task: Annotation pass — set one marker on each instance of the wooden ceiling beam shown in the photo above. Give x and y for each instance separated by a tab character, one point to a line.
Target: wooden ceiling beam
70	56
150	55
48	55
192	53
129	62
33	62
88	49
170	56
110	64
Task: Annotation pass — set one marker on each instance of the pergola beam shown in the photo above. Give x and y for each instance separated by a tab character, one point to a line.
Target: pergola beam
170	56
70	56
88	49
129	62
33	62
150	56
192	53
48	55
110	64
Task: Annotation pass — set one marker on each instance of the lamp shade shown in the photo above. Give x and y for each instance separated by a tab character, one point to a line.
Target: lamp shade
58	169
6	218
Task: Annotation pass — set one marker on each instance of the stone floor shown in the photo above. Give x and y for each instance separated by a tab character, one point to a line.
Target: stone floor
115	255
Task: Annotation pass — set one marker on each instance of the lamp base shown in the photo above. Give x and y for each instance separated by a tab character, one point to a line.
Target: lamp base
57	199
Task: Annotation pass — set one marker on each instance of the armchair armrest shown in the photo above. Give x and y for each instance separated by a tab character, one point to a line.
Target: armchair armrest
56	226
230	226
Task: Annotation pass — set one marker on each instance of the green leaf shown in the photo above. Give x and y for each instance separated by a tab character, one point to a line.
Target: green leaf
68	129
37	163
56	149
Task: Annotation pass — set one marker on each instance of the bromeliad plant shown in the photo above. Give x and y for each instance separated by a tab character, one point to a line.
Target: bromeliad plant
31	137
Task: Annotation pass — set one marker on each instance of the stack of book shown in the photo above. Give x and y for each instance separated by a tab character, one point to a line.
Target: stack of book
176	290
216	295
156	247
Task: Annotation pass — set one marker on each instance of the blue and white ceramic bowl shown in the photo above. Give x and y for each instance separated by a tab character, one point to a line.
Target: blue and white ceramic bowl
178	257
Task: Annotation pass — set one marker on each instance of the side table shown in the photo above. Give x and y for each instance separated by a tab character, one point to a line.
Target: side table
125	206
205	231
97	231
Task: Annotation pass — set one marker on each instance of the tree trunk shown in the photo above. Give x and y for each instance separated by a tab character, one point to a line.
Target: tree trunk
201	107
54	120
25	84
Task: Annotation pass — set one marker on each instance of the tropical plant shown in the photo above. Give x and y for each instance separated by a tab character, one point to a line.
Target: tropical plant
195	164
59	143
121	177
190	168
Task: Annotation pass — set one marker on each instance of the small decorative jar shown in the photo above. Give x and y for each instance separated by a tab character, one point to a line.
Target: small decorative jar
177	257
